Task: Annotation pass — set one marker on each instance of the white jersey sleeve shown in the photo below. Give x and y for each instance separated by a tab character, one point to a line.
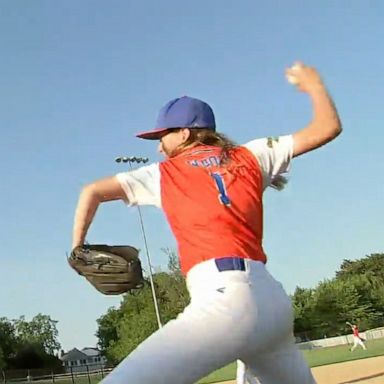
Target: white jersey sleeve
274	155
142	185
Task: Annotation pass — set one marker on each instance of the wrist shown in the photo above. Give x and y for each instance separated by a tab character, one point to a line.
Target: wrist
316	87
76	243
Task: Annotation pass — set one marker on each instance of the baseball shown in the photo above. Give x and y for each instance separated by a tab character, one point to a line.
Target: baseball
291	78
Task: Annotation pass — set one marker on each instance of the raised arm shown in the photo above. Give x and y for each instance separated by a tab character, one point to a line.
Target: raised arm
90	198
325	125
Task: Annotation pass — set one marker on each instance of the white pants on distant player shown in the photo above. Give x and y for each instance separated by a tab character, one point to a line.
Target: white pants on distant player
243	376
243	315
357	341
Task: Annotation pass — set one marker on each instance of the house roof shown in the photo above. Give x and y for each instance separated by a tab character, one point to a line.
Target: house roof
91	351
76	354
73	354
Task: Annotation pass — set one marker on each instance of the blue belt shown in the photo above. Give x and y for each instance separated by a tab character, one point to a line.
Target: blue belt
230	264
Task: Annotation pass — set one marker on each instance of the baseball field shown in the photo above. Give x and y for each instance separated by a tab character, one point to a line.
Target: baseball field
334	365
364	371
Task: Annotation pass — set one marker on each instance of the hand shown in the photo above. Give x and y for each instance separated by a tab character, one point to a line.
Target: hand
76	244
325	125
307	79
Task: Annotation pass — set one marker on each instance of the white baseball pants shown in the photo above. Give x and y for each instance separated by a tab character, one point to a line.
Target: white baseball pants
357	341
233	314
243	376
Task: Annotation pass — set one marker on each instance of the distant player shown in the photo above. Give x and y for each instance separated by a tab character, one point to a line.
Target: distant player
211	191
243	375
356	338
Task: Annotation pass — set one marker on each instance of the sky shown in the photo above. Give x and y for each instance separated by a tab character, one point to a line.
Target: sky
79	78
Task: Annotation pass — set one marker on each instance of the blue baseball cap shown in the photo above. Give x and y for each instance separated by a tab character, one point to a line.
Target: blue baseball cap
183	112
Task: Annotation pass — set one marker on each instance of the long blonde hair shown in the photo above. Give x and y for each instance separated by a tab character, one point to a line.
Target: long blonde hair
208	137
204	136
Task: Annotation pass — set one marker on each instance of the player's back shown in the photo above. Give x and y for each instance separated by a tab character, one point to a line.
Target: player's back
214	209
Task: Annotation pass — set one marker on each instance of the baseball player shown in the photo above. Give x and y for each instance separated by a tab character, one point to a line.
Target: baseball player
356	338
211	192
243	376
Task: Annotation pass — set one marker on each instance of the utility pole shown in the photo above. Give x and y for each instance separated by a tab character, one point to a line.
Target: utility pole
138	160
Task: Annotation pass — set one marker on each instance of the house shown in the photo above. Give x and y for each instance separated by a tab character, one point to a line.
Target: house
88	359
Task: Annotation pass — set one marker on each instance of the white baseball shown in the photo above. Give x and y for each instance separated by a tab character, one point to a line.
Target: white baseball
291	78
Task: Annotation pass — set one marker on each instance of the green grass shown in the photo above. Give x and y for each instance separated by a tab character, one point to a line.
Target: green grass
332	355
226	373
81	380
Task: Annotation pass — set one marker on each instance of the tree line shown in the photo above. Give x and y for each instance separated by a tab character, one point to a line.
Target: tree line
355	294
29	344
122	329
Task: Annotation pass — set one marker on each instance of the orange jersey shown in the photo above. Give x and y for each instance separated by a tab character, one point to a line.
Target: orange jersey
214	211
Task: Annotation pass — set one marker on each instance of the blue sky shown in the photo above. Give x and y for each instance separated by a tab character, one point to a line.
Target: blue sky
79	78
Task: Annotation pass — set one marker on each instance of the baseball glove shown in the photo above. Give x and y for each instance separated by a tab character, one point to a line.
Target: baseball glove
112	270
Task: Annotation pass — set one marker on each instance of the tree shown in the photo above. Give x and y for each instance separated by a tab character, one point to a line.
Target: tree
372	266
303	304
178	296
173	261
371	297
368	277
107	331
41	330
26	344
33	356
356	294
8	341
3	363
335	303
121	330
136	322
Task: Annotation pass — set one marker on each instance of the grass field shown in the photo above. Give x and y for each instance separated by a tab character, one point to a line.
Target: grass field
316	357
325	356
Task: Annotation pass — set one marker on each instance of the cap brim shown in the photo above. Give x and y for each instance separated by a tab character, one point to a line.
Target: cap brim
154	134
